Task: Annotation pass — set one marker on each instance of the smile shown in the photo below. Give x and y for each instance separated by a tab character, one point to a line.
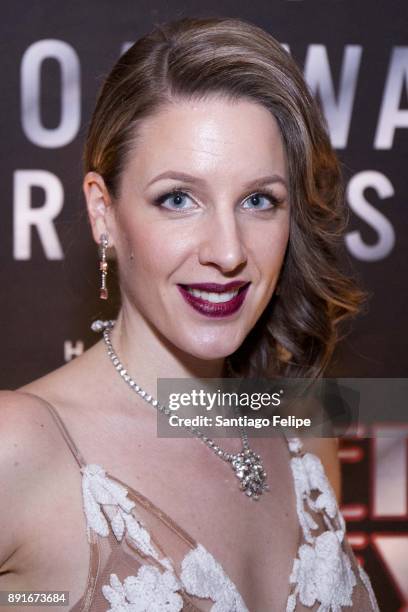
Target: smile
216	298
214	303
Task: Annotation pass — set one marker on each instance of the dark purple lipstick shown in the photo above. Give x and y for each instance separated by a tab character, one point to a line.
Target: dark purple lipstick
215	309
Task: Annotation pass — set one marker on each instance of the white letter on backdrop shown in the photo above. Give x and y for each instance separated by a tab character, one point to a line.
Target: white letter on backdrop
361	207
319	79
26	217
391	116
70	94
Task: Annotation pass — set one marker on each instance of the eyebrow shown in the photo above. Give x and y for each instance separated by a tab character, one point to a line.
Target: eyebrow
189	178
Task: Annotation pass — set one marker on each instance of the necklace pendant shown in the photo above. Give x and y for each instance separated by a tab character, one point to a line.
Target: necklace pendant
250	471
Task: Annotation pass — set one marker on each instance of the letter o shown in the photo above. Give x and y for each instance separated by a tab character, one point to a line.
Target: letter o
32	61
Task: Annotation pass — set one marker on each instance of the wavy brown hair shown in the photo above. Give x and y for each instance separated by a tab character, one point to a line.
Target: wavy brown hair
196	58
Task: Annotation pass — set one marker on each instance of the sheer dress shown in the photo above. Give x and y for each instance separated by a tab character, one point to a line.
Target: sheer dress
140	560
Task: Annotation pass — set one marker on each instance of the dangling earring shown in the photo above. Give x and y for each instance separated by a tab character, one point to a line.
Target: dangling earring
103	265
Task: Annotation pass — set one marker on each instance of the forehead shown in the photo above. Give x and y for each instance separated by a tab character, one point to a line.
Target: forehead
223	138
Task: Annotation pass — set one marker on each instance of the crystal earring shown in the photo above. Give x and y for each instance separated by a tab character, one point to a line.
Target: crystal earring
103	265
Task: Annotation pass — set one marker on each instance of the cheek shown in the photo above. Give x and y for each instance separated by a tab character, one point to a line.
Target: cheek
270	247
151	251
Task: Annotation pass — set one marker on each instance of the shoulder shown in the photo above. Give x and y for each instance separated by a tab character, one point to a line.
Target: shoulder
25	418
29	438
73	381
29	446
327	451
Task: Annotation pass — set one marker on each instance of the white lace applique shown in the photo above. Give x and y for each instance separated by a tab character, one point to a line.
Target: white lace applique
314	492
149	591
202	576
295	445
322	571
103	497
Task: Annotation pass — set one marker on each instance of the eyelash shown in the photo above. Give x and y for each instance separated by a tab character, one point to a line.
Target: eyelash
183	192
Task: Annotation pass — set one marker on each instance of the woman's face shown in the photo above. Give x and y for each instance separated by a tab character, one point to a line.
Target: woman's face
203	200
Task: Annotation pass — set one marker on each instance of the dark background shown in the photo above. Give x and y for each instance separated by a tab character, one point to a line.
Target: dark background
47	304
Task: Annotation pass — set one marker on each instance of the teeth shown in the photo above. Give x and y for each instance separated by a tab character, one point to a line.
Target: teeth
216	298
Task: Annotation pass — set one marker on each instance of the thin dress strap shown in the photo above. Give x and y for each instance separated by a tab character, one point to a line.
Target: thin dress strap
64	431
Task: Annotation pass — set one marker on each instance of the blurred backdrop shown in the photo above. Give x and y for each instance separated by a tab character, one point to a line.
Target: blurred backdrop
354	55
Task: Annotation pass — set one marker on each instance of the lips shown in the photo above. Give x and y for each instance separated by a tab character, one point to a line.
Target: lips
217	287
215	308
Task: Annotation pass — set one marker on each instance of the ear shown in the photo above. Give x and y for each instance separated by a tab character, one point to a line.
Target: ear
99	205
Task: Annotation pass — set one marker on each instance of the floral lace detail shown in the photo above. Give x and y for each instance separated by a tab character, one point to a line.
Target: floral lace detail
314	492
203	576
149	591
322	571
99	491
154	591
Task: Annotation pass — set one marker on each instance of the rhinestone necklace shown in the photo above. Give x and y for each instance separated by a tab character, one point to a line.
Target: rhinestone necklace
246	464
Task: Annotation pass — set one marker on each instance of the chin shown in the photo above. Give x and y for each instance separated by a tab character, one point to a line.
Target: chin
209	355
210	348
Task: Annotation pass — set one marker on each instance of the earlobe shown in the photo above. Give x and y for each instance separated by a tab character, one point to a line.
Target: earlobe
98	202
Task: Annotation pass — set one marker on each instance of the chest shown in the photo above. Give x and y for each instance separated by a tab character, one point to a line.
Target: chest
254	541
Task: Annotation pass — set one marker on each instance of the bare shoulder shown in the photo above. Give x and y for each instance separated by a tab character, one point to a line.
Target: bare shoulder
29	446
26	426
327	451
69	383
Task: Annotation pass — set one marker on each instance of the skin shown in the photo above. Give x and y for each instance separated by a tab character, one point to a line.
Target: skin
218	238
219	235
157	334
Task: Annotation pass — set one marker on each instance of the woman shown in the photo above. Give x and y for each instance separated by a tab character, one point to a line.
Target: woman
210	177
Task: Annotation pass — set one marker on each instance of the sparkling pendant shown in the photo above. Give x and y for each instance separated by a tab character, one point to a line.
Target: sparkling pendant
250	471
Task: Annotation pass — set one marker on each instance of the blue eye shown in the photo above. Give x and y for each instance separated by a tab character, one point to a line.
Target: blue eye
176	200
262	201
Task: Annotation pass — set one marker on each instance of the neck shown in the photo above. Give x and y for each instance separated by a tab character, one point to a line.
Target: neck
147	356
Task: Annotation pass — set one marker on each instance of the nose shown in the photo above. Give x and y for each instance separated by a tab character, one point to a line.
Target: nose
221	242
